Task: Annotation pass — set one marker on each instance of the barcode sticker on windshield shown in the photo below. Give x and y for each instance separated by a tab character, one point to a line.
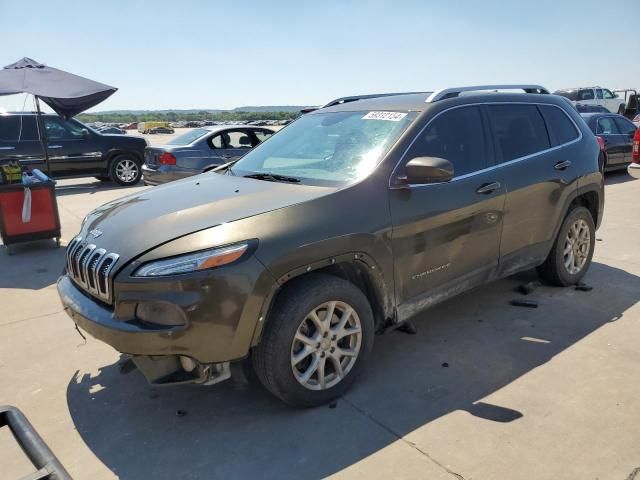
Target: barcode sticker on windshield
390	116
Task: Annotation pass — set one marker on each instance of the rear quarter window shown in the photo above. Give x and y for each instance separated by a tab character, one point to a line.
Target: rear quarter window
9	128
560	127
519	130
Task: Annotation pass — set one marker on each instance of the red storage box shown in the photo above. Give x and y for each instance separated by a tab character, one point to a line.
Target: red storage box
44	223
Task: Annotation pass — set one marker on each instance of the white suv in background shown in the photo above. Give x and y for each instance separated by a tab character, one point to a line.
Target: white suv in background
594	96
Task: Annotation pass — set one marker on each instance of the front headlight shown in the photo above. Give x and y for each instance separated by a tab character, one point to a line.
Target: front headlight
192	262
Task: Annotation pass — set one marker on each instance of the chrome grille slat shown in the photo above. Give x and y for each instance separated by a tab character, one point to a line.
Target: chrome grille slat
90	267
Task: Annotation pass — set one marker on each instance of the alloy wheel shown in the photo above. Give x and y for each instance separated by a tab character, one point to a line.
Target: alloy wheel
126	170
326	345
576	246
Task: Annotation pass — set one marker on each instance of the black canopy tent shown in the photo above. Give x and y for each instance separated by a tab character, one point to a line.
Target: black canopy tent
67	94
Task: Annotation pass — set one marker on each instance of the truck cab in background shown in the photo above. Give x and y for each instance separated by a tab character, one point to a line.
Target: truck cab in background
594	96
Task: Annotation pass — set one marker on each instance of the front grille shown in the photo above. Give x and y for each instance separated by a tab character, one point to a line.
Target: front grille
90	267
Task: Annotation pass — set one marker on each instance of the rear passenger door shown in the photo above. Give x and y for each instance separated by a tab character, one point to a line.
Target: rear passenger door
627	131
586	96
535	145
19	141
614	141
446	236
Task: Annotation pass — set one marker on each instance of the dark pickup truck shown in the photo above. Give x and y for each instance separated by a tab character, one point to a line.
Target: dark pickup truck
74	149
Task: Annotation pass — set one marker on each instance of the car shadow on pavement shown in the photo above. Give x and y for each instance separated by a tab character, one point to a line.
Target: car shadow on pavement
617	176
464	350
31	265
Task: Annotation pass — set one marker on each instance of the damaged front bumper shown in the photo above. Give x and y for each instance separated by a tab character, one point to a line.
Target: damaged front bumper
175	369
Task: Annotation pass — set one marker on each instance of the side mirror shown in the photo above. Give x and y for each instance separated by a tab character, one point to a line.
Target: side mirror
85	133
421	170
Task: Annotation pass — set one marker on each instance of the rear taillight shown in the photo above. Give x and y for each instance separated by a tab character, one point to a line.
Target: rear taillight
601	143
635	157
167	159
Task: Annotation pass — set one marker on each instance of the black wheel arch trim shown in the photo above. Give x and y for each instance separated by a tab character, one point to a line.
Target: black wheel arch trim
382	292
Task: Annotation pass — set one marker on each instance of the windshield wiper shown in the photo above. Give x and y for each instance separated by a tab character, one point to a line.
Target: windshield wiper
273	177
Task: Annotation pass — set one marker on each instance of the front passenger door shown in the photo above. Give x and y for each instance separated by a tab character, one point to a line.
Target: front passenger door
446	236
72	149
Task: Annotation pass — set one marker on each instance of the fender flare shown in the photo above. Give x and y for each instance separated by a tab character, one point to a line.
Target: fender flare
382	292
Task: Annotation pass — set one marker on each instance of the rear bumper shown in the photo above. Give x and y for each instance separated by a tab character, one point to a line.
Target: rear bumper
164	174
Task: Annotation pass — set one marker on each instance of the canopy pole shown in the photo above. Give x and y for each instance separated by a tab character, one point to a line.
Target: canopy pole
43	137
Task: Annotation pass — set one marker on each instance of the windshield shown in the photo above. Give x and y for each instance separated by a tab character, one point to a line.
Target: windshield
188	137
327	148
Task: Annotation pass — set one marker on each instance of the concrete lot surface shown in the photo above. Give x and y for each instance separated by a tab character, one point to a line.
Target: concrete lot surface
547	393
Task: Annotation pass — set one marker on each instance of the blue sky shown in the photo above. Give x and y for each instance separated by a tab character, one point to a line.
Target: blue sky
225	54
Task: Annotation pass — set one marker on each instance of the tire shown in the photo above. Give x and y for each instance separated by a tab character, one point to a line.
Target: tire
292	319
125	170
564	269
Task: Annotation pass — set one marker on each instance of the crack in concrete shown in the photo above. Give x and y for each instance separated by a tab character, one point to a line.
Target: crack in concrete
402	439
13	322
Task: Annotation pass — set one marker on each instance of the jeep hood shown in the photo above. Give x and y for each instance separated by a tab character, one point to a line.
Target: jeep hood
137	223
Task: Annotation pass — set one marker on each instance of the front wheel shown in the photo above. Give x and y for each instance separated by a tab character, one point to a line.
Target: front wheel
125	170
316	341
572	251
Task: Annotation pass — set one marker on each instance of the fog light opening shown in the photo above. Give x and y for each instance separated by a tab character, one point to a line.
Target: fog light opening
160	313
188	364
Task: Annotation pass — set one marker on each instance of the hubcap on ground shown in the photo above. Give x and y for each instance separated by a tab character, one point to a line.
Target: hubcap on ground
576	246
326	345
126	170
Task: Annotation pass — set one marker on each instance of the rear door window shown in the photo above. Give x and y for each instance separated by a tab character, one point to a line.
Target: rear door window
561	129
519	130
624	125
586	94
14	128
456	135
606	126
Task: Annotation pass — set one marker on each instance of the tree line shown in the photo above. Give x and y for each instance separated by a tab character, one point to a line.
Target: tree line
177	116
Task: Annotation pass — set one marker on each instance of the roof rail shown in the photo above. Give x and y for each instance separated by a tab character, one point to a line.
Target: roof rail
454	92
355	98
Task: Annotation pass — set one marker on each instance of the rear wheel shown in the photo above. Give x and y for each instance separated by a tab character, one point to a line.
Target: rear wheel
125	170
572	251
316	341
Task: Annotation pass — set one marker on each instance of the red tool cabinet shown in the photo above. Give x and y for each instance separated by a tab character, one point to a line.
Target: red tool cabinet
45	221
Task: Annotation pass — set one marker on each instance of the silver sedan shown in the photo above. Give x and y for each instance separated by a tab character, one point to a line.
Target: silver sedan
199	148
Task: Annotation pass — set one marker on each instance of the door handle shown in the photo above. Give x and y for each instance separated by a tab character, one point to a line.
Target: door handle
488	187
55	146
562	165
